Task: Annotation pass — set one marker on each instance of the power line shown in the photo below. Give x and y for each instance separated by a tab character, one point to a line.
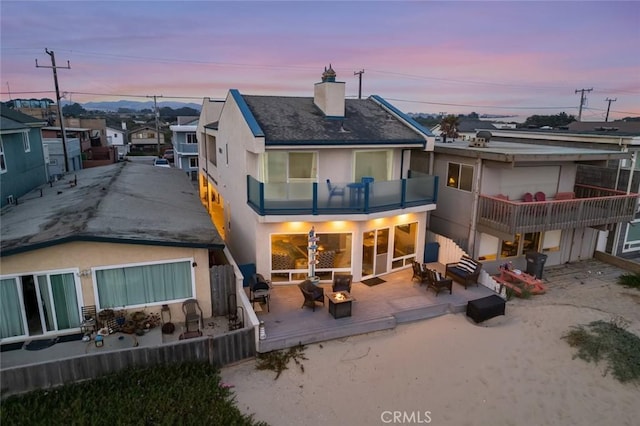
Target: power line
390	99
479	106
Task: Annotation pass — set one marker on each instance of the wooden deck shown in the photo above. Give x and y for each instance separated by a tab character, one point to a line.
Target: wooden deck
396	301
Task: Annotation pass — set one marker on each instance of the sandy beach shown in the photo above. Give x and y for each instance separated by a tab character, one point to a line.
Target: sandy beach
510	370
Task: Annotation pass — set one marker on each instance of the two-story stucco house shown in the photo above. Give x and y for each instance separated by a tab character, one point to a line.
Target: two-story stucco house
623	239
502	200
185	145
22	159
276	167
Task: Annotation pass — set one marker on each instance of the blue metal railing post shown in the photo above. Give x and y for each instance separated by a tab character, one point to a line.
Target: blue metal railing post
261	186
403	193
314	207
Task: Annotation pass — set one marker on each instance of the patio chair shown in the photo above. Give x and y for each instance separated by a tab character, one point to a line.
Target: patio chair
312	294
192	315
342	282
367	181
437	282
235	313
419	272
334	191
259	290
539	196
527	197
89	322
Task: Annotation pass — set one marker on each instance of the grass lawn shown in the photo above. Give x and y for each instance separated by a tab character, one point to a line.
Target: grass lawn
170	394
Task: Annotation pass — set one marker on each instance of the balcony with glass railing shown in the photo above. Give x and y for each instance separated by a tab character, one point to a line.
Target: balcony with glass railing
315	198
589	206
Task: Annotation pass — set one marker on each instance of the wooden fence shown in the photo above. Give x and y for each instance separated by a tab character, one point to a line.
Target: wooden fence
218	350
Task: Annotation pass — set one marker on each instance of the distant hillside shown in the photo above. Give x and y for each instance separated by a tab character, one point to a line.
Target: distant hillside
136	105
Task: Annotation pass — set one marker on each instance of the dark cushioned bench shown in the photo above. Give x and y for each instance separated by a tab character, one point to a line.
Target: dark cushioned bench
488	307
461	275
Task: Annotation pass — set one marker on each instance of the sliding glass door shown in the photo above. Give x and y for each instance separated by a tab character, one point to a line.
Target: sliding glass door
32	305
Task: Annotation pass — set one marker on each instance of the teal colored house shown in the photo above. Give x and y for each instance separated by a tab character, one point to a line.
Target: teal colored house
22	159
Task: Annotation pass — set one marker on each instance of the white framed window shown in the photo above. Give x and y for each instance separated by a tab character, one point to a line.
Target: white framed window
3	164
289	174
376	164
25	142
191	138
632	237
460	176
144	284
193	162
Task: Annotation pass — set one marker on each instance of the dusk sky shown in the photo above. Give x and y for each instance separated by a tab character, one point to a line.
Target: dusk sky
514	57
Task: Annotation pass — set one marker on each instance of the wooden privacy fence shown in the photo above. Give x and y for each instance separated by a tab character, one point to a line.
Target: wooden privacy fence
216	350
223	283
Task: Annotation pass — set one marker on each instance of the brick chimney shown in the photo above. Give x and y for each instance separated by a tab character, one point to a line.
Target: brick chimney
328	95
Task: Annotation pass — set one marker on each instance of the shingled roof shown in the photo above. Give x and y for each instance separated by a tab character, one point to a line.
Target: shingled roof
298	121
120	203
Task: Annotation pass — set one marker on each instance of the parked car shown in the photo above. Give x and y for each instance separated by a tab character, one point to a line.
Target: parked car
168	155
161	162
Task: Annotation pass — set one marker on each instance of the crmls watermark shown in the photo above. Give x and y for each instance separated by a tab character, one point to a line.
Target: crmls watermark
406	417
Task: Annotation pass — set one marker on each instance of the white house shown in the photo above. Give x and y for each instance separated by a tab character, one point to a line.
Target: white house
118	138
276	167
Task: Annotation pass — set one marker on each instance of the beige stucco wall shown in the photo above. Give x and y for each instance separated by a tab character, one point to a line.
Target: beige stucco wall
84	256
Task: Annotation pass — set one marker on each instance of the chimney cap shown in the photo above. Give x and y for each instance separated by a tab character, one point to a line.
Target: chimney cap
328	74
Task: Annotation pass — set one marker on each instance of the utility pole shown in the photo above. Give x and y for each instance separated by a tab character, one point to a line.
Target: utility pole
583	100
359	74
157	113
58	98
609	107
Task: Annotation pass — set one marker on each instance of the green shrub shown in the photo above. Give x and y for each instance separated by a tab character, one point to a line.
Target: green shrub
610	341
278	360
630	280
170	394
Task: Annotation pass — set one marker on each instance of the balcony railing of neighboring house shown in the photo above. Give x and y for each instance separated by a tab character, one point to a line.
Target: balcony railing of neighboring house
187	148
591	207
350	197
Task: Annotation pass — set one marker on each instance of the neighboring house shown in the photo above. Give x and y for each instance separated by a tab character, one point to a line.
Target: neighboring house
146	139
22	159
279	167
483	206
185	146
44	109
54	155
467	128
118	138
81	133
112	238
623	240
97	128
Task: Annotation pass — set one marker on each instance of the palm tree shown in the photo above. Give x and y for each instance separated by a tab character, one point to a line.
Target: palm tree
449	126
